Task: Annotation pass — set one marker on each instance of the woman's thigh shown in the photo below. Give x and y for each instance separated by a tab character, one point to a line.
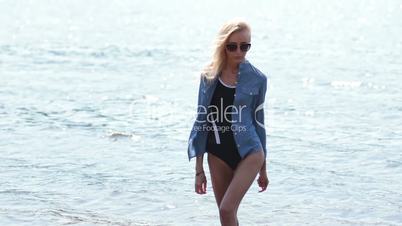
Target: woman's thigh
221	176
243	177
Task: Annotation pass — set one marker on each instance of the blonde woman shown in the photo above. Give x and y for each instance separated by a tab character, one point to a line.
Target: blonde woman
230	122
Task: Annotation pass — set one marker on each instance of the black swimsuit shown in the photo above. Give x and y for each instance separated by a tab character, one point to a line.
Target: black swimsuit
220	140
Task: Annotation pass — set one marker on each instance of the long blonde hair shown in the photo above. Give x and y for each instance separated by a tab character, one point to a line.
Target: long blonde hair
219	56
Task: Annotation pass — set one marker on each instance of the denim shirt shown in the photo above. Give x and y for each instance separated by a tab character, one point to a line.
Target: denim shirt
247	123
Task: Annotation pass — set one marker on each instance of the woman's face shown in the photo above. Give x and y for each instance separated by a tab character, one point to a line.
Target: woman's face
240	39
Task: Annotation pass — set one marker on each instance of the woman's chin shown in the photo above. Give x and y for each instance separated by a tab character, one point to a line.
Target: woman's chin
237	60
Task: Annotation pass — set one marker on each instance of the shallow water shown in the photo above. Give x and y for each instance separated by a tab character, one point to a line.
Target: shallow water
97	99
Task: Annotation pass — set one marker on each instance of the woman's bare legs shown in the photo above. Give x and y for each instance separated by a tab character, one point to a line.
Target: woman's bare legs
221	176
243	177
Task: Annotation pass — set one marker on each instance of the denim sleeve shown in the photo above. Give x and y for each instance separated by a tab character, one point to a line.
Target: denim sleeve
199	93
259	115
191	149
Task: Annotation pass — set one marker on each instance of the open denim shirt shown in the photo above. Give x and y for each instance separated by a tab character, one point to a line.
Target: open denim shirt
247	124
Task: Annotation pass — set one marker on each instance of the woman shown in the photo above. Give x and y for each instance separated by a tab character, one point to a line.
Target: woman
230	122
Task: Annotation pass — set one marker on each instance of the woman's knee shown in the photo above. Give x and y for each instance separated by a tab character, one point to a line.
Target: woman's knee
226	210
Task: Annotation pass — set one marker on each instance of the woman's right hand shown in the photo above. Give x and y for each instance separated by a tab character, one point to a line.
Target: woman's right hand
201	183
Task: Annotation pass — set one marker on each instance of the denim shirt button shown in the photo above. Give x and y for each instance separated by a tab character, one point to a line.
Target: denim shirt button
238	145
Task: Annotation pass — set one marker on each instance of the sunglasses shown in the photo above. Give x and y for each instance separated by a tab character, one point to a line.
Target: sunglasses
232	47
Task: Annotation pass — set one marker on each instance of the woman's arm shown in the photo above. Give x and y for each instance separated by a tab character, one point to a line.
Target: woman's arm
259	115
264	167
263	178
199	163
190	149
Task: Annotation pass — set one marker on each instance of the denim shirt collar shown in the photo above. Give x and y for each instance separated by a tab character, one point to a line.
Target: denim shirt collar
244	67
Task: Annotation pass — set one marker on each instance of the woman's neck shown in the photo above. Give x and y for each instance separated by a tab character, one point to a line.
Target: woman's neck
232	67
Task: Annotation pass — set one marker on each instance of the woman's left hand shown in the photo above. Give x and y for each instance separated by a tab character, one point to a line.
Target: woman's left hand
263	180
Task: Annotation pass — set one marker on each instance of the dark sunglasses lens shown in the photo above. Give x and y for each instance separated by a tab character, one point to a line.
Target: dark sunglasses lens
245	47
231	47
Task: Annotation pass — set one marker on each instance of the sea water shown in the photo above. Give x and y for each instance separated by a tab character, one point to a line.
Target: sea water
97	99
